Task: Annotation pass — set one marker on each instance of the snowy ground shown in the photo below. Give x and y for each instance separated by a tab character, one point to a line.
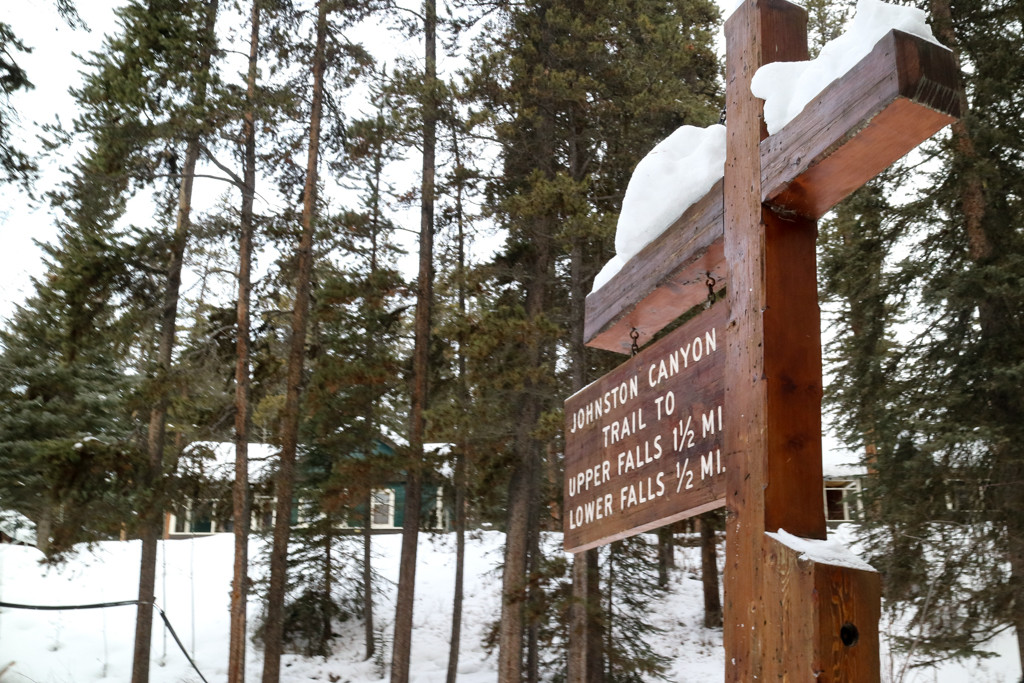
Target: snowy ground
192	587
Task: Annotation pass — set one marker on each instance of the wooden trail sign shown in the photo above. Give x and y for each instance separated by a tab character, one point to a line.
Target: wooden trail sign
643	444
788	616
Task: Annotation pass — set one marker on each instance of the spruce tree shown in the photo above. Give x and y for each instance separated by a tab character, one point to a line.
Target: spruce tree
629	656
66	435
943	429
14	164
581	90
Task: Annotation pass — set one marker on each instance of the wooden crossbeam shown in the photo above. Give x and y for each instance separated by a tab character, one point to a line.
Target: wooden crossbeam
892	100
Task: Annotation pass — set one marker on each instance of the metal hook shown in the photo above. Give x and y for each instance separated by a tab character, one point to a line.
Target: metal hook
710	282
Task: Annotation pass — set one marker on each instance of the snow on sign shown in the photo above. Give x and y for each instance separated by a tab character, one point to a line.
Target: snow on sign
643	444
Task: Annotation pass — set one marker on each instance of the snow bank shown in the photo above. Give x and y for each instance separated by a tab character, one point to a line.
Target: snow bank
787	87
193	584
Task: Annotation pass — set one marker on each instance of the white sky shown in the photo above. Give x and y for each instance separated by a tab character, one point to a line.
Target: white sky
52	68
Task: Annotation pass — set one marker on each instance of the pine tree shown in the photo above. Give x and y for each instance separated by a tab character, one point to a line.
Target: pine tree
369	332
355	382
580	96
240	500
451	412
161	373
284	484
420	394
346	61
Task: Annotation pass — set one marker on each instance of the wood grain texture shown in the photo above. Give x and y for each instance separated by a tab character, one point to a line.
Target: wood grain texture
823	619
787	618
899	95
791	380
758	32
643	444
850	599
663	281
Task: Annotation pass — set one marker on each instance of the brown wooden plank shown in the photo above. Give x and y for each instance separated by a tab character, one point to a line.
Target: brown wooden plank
849	603
892	100
791	377
644	443
826	617
663	281
758	32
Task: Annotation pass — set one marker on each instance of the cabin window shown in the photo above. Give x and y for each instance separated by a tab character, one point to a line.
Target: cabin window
383	508
842	503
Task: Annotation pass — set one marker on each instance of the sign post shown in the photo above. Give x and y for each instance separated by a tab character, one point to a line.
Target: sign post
789	614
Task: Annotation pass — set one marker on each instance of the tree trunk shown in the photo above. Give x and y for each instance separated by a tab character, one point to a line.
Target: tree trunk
586	647
152	517
460	566
609	608
1009	499
240	502
325	598
421	361
595	622
460	454
522	496
296	356
513	584
371	643
709	569
44	528
534	596
665	550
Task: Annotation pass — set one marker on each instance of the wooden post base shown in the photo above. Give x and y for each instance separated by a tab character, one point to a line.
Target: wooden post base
821	622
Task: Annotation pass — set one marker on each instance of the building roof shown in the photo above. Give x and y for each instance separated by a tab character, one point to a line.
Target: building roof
216	459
